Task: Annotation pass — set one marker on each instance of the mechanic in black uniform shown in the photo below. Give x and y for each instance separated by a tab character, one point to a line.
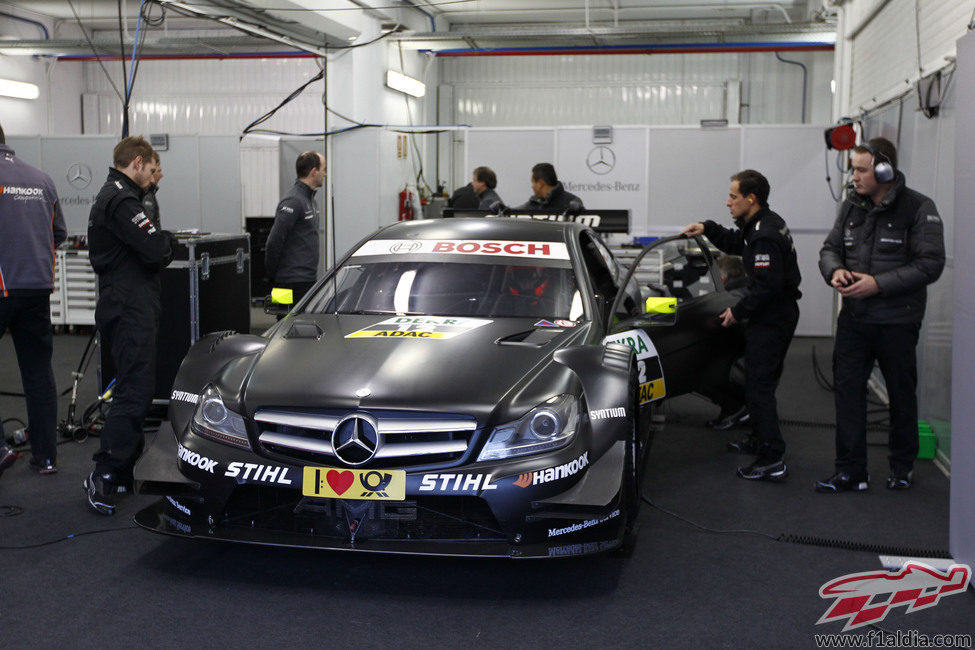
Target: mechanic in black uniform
464	198
127	252
886	246
292	253
484	183
769	308
150	204
548	193
31	225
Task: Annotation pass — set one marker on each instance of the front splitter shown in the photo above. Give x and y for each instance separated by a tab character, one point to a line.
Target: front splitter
157	518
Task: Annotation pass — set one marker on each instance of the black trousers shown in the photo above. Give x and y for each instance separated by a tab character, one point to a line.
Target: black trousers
127	320
29	320
857	346
767	339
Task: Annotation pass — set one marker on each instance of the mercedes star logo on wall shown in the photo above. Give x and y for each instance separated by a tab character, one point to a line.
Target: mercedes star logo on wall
79	175
601	160
355	439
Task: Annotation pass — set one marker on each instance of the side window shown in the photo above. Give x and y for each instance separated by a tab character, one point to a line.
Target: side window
598	263
678	269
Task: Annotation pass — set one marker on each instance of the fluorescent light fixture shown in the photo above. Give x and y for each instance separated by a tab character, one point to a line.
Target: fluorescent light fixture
19	89
404	84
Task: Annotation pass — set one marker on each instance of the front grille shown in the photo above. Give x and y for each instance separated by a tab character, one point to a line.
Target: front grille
405	439
435	518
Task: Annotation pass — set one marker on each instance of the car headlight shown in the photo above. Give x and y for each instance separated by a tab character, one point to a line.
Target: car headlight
546	427
213	420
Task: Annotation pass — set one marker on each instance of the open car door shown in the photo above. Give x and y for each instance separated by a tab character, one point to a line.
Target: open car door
682	296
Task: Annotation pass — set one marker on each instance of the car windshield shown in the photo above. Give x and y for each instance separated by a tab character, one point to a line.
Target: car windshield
451	289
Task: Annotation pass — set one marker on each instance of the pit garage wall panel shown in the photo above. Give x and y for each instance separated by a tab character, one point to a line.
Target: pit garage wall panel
634	89
192	167
962	526
902	38
670	176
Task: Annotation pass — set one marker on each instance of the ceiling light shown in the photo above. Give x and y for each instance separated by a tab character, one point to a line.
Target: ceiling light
404	84
19	89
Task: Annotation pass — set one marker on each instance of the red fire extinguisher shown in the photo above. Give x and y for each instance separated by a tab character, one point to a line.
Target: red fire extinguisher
405	205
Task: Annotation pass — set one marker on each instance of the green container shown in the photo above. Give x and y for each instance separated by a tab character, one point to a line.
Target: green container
927	443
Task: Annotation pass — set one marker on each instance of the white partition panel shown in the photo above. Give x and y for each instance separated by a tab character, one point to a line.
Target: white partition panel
606	176
689	171
511	153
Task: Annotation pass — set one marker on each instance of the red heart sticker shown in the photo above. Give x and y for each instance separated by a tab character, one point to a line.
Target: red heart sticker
339	481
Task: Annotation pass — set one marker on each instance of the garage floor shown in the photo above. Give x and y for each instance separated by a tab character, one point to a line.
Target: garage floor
711	574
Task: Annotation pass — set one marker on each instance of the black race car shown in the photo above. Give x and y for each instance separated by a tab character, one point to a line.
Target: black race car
468	386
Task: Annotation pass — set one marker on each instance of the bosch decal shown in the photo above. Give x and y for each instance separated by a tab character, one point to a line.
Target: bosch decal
258	473
494	248
553	473
456	483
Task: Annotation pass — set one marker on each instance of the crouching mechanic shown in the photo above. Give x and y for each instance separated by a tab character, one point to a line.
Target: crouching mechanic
770	305
127	252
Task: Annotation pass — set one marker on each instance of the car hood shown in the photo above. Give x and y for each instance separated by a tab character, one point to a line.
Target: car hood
324	361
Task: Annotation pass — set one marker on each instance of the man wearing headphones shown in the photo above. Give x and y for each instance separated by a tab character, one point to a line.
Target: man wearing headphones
770	306
886	246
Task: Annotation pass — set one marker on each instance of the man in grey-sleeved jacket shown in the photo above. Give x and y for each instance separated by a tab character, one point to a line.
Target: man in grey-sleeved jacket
292	252
886	246
31	225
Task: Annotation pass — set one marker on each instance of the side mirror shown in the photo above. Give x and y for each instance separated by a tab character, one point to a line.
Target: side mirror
660	305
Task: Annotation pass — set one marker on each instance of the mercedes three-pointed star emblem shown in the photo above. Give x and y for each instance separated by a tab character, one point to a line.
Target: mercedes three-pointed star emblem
79	175
601	160
355	439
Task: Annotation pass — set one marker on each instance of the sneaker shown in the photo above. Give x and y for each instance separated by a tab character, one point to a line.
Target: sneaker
765	469
100	489
724	422
746	445
43	466
900	481
7	457
844	482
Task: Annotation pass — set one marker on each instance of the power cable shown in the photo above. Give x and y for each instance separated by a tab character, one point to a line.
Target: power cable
125	76
98	57
61	539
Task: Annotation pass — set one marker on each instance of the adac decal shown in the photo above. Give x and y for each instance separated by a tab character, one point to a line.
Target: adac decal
650	372
495	248
582	525
183	396
332	483
195	459
456	483
257	473
553	473
419	327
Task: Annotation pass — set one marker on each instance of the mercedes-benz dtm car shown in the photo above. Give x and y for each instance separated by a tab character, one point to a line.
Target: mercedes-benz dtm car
452	387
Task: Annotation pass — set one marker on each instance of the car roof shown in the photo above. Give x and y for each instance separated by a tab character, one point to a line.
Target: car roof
482	228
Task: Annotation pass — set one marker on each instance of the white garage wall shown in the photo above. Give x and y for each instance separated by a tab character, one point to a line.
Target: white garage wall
635	89
894	42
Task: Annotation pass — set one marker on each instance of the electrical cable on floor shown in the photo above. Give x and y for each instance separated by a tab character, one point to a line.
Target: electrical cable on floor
808	540
64	539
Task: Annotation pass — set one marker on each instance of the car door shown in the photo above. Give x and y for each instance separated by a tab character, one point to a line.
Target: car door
695	351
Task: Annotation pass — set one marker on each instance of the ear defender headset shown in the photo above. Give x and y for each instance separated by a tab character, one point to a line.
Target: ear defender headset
883	169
